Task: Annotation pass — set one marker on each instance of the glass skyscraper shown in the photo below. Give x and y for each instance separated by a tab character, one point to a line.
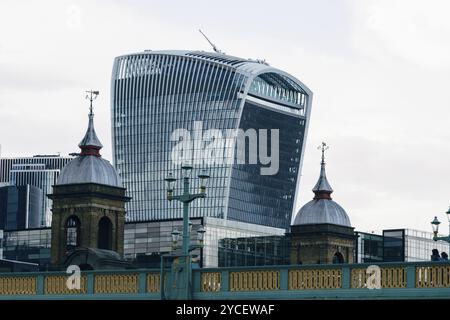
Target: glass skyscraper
20	207
153	93
40	171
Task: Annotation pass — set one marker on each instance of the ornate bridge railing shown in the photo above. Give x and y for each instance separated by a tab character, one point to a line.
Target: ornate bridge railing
347	281
139	284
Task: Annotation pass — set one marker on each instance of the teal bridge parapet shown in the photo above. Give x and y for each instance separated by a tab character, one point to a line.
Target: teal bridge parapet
419	280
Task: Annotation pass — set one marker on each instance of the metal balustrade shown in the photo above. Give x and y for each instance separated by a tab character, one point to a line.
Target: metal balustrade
153	282
210	281
55	284
116	283
315	279
259	280
391	277
397	280
17	285
433	276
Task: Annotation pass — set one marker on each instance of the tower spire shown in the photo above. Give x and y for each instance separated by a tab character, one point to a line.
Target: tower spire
324	147
91	145
91	95
322	189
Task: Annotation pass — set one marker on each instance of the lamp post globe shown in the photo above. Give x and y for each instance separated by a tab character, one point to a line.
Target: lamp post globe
186	169
175	237
170	183
435	225
203	176
201	235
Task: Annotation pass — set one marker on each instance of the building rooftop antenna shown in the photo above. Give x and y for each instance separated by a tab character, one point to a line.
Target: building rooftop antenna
212	44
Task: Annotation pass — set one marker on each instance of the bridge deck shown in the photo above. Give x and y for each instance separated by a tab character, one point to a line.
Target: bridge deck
420	280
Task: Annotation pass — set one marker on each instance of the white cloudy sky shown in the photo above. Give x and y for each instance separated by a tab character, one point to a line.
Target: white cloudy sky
379	70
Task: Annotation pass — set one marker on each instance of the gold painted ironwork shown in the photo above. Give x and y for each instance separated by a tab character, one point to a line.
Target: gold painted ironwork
116	283
58	285
153	282
433	277
315	279
263	280
18	285
210	281
391	277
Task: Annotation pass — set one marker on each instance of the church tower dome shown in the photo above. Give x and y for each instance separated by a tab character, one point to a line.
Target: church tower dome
322	209
322	232
88	210
89	166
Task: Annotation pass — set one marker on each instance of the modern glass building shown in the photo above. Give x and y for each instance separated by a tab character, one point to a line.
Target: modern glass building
40	171
20	207
31	245
368	247
255	251
153	93
51	162
397	245
144	242
419	244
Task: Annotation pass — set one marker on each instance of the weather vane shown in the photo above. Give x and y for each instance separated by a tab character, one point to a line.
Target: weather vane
323	147
91	96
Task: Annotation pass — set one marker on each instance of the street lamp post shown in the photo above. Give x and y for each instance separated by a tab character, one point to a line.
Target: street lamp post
435	225
181	266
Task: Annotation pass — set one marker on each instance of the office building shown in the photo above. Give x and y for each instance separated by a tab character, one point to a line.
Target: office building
20	207
255	251
40	171
30	245
154	93
369	247
145	241
397	245
55	162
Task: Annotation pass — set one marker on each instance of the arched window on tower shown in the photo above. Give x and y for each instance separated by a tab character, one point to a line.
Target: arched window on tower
72	232
105	234
338	258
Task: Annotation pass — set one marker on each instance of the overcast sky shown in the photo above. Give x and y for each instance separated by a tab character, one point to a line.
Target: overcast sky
379	71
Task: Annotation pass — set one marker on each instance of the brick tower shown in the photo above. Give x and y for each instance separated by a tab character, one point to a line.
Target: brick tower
88	201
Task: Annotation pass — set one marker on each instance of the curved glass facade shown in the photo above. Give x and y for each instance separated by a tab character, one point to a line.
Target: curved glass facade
155	93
